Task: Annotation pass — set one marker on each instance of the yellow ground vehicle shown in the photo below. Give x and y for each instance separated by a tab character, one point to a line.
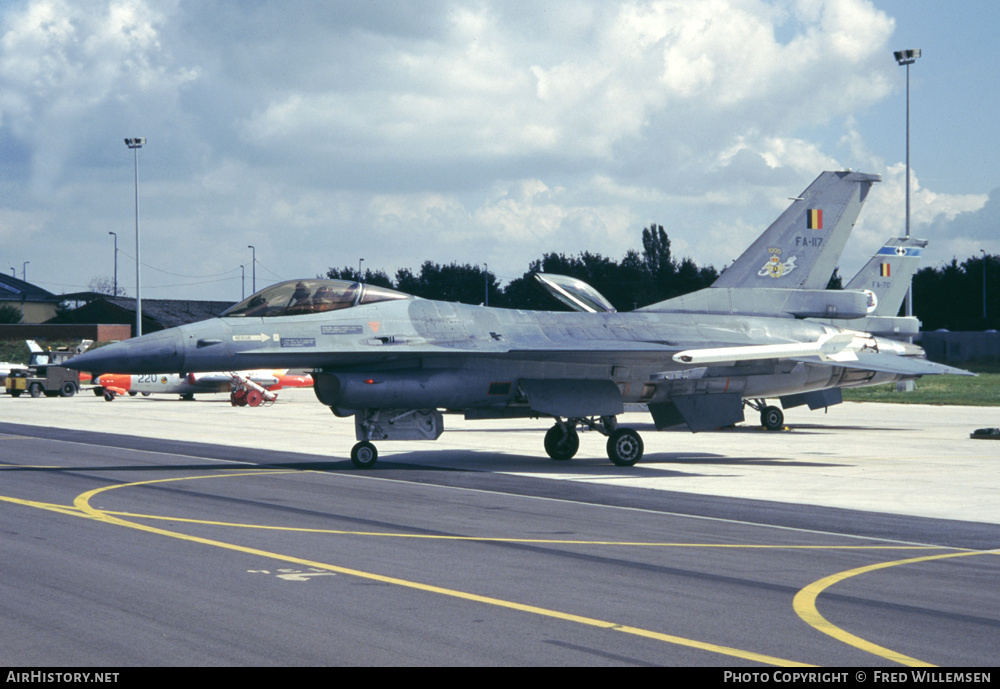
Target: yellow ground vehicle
44	375
43	380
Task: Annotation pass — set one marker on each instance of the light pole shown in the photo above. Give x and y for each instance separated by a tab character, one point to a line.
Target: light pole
24	271
360	280
243	282
253	284
135	144
486	281
984	287
907	58
115	293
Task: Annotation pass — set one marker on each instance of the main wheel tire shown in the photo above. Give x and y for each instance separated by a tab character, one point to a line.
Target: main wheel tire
772	418
35	390
624	447
561	442
15	393
364	455
68	389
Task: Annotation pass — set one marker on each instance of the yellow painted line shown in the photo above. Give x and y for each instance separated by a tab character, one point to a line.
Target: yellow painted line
30	466
497	539
82	502
52	507
804	604
74	511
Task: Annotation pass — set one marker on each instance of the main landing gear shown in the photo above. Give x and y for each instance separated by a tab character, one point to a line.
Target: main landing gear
562	441
624	444
771	417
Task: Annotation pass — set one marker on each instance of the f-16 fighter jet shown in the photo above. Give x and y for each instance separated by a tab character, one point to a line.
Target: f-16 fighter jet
397	363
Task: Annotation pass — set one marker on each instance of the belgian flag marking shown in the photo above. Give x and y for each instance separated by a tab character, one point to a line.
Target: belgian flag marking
814	219
884	270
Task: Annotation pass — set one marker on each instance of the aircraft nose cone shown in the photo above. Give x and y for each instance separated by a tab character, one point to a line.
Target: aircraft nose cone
155	353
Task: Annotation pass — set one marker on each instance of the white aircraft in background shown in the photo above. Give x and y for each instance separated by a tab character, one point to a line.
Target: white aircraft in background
245	388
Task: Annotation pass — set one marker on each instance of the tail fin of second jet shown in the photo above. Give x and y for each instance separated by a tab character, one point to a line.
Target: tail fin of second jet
885	279
887	275
801	248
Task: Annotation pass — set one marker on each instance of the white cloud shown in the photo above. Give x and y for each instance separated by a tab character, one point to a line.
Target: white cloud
487	132
931	213
476	89
66	66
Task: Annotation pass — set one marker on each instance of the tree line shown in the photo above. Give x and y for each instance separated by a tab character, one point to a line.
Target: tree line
638	279
959	296
950	297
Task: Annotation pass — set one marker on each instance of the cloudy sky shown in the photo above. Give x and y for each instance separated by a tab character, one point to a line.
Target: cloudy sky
325	131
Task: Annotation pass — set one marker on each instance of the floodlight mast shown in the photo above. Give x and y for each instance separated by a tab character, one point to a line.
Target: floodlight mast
253	260
907	58
135	144
983	251
115	293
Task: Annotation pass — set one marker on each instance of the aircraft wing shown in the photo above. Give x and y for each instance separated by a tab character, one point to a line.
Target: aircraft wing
847	349
826	347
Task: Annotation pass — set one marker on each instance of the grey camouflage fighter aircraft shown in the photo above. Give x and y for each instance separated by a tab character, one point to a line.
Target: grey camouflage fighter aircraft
396	362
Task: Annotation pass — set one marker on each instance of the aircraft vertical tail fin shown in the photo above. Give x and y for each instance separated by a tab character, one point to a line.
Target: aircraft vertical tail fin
885	279
887	275
801	248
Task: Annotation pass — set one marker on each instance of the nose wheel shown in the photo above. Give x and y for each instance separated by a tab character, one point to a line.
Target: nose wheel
772	418
364	455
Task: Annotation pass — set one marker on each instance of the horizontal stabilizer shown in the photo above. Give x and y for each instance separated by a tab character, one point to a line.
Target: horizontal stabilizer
901	365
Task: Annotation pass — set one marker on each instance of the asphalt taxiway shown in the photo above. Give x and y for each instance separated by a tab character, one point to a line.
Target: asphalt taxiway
903	459
150	531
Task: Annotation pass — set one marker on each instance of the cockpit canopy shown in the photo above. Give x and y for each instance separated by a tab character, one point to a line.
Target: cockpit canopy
297	297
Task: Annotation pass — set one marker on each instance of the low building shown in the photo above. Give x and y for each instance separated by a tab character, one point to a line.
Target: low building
157	314
35	304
